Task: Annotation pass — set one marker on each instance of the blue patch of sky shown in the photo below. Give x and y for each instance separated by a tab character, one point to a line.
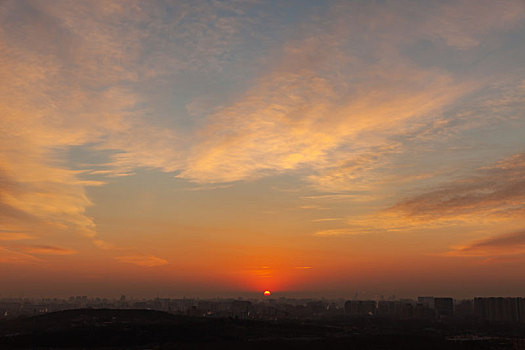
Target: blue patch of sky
88	156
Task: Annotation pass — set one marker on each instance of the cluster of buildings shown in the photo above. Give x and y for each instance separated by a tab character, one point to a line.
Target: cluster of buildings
424	308
493	309
510	310
500	309
267	308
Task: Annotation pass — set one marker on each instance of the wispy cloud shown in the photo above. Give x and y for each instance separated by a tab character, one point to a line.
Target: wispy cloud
491	195
46	250
142	260
294	119
497	191
327	219
512	239
511	244
14	257
335	197
263	272
312	207
14	236
336	232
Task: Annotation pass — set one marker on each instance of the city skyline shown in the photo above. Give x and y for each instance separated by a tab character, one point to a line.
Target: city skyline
305	148
509	310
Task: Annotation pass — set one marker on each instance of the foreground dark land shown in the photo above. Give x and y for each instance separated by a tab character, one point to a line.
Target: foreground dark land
147	329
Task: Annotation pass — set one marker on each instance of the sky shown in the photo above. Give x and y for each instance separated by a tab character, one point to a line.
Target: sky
223	148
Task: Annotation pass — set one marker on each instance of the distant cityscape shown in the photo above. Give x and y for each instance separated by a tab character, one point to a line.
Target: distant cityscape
492	309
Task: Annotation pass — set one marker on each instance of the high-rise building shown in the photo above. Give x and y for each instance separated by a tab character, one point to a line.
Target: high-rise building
427	302
464	309
521	306
360	307
499	309
444	307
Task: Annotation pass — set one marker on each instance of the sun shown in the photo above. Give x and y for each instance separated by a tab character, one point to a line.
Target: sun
267	293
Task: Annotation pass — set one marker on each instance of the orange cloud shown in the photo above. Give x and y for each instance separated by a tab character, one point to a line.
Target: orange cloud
327	219
511	244
47	250
489	196
337	232
13	257
142	260
295	117
497	191
14	236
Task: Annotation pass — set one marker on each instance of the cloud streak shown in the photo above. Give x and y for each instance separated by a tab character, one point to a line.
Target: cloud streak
14	236
142	260
496	191
46	250
492	195
511	244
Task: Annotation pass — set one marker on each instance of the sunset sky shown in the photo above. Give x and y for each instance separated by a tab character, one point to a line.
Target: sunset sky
225	148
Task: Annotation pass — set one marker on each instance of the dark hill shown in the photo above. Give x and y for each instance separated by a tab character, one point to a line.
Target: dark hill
114	328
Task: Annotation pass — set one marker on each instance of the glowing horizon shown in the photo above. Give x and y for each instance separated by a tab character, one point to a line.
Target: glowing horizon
221	148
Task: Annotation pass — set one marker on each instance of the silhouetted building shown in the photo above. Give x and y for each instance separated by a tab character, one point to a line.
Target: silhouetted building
241	308
317	307
360	307
521	306
395	309
421	312
140	305
499	309
427	302
464	309
386	308
444	307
